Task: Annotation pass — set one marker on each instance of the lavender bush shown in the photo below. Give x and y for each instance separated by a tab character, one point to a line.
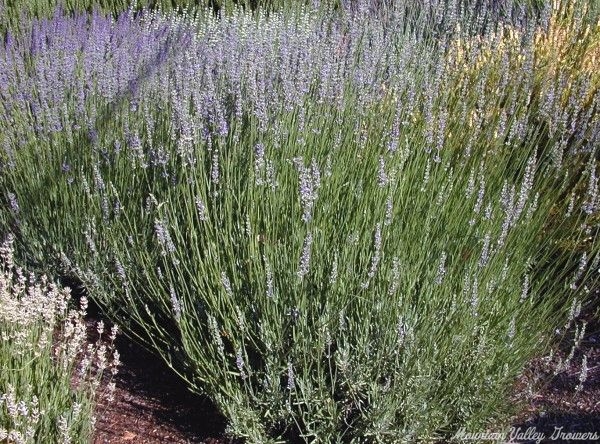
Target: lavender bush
50	373
342	225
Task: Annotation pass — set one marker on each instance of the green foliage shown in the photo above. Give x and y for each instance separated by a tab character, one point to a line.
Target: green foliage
360	292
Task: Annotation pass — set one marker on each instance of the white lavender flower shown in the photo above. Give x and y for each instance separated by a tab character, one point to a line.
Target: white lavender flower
342	324
353	239
248	226
470	184
175	304
12	201
240	319
309	181
395	284
488	212
475	297
316	174
214	172
401	331
426	175
591	197
117	207
270	284
259	164
571	205
377	254
526	187
441	271
201	208
485	251
271	175
291	379
583	375
525	288
213	326
328	168
98	181
388	212
512	329
334	270
580	270
305	258
533	206
382	177
226	284
479	201
89	239
239	362
105	208
63	429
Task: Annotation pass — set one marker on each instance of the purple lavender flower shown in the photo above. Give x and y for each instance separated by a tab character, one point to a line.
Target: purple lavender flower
485	251
164	238
239	362
214	173
310	180
591	197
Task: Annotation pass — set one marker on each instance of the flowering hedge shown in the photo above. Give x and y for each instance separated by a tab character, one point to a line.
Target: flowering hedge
334	222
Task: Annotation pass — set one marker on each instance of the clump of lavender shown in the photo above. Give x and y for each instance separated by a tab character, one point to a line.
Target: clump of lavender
283	176
43	353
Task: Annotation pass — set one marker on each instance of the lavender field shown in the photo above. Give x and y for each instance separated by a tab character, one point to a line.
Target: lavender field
343	222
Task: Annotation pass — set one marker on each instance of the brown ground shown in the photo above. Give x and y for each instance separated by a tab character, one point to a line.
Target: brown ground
152	406
554	402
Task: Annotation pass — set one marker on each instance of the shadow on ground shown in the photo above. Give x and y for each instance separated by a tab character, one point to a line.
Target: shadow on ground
152	405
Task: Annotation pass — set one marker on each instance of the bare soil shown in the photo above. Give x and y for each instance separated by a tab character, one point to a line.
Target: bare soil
152	405
551	402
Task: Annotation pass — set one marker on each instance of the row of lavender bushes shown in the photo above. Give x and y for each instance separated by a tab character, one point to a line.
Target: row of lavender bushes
14	14
341	225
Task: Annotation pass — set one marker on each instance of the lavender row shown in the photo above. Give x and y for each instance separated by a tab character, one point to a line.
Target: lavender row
63	73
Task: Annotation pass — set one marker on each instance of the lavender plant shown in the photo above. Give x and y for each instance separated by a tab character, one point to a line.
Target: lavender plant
50	379
339	225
